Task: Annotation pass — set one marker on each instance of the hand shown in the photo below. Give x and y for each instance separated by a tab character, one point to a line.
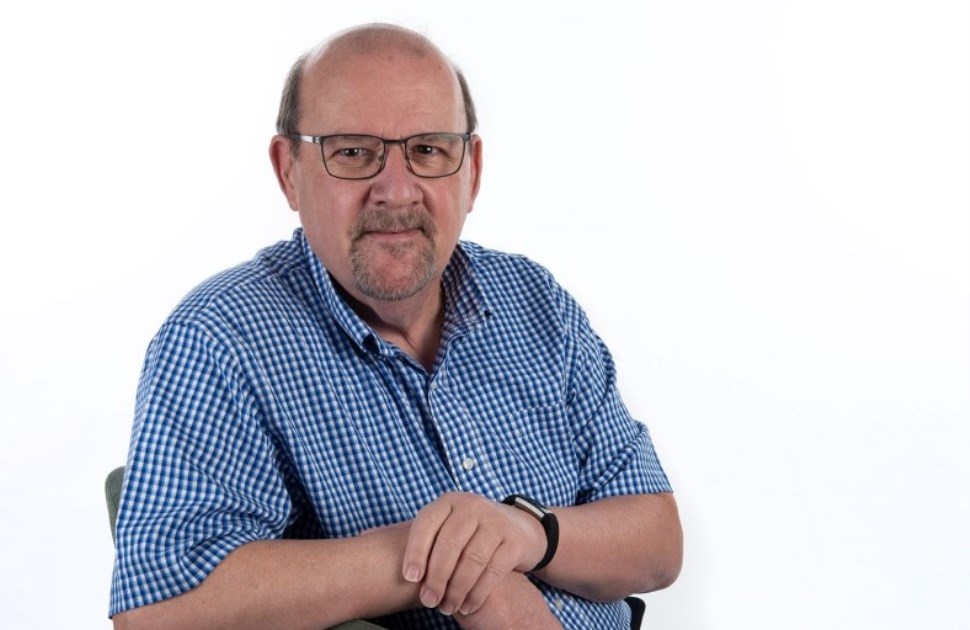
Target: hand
515	603
462	546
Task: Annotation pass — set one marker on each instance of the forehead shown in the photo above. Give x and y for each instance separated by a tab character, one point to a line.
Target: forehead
387	92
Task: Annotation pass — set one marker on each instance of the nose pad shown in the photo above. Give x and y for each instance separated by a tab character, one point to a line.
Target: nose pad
389	150
395	183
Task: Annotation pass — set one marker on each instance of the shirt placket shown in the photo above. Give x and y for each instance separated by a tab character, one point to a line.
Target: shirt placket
458	432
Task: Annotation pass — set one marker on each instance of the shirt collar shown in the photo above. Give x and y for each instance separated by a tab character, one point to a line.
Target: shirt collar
465	304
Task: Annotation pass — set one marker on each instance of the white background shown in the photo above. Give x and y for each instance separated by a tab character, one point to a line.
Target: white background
764	207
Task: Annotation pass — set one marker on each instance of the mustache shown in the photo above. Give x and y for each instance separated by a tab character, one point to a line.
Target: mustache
373	219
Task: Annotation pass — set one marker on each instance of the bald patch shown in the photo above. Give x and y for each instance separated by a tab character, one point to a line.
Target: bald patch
377	38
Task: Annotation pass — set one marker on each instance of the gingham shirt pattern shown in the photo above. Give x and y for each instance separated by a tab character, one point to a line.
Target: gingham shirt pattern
268	409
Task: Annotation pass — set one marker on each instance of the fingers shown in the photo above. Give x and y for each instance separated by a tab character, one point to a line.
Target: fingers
451	547
492	573
424	531
460	547
477	560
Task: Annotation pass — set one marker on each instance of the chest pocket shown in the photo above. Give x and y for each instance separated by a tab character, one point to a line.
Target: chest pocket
534	451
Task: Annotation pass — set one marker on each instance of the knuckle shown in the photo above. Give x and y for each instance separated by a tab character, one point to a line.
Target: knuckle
495	571
476	557
452	497
449	543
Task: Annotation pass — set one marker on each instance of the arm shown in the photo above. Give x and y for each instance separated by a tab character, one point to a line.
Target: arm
624	536
206	507
462	547
290	584
617	546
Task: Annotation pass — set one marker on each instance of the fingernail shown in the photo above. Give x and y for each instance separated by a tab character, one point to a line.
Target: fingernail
446	609
429	598
411	573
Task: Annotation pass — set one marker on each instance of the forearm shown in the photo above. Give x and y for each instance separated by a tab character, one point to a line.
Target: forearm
617	546
290	584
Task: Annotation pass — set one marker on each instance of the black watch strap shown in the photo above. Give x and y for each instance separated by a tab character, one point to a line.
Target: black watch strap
546	517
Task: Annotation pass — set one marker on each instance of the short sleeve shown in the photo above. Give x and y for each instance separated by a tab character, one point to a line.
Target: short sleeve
203	474
615	452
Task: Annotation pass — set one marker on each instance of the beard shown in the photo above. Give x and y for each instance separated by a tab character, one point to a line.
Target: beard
398	270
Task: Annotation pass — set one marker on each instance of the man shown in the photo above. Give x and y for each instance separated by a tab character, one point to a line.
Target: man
329	431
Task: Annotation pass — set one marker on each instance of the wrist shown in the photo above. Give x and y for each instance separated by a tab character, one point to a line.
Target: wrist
548	524
389	542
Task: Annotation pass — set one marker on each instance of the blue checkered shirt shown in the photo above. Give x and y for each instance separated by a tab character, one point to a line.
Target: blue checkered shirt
268	409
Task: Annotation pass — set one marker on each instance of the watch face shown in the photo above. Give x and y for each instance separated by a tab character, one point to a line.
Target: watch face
532	507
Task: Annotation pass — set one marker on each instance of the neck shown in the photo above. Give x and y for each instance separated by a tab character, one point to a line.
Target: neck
413	325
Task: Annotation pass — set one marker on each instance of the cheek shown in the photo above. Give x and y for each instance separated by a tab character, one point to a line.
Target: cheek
330	210
322	231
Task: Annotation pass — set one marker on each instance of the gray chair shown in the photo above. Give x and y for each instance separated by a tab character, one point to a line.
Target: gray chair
112	493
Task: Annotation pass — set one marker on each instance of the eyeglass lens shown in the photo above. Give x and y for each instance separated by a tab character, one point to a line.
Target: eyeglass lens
359	157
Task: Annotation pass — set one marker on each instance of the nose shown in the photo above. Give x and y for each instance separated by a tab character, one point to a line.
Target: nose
395	184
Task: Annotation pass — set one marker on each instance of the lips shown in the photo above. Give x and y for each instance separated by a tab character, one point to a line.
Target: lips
396	231
392	235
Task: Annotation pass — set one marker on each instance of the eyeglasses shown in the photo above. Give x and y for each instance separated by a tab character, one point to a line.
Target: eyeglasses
356	156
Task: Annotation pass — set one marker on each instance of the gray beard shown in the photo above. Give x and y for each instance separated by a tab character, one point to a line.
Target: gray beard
423	269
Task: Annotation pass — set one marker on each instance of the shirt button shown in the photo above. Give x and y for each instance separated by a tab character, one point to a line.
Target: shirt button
559	604
468	463
434	385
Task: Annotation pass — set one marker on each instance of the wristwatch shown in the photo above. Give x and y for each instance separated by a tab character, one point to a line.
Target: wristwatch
545	516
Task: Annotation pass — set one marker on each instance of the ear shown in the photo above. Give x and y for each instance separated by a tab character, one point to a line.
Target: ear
283	164
475	161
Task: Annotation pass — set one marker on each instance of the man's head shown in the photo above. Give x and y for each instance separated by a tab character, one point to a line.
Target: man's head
386	237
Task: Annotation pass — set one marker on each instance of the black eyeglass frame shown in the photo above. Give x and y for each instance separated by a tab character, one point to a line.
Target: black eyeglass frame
319	140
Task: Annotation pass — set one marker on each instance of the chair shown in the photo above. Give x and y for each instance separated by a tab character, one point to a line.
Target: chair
112	491
637	608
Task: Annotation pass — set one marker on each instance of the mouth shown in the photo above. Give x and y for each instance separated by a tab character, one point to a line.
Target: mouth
393	234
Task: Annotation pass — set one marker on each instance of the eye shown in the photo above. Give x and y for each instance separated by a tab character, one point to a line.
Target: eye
425	150
352	149
352	155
